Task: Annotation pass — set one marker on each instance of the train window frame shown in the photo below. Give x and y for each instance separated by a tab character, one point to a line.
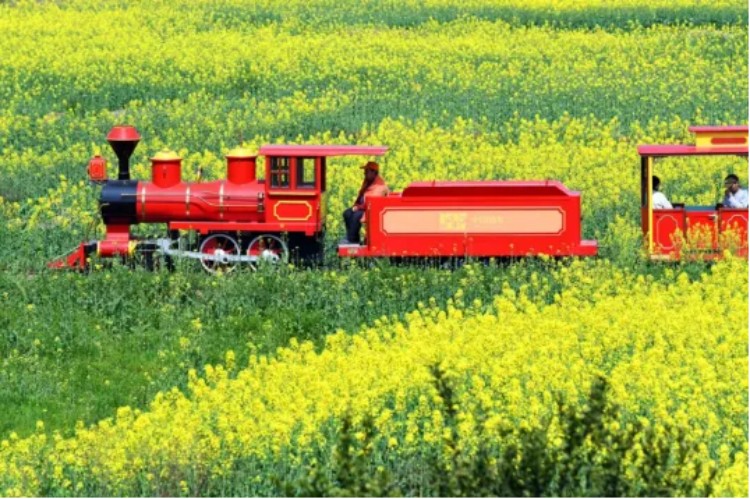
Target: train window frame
301	164
279	172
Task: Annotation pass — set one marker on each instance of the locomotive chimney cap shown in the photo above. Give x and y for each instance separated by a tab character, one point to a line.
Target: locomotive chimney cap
166	155
123	133
123	139
241	152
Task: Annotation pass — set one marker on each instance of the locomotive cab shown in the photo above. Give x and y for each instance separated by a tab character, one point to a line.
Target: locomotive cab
293	188
295	183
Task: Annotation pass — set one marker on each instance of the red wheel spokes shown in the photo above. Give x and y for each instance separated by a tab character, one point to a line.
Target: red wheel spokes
219	244
267	248
262	245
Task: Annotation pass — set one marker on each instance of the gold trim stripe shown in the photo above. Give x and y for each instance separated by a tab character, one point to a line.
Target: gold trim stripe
311	194
143	201
187	201
473	220
650	201
221	200
293	219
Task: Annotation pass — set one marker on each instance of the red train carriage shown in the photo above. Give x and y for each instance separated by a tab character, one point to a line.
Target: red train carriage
704	231
242	219
478	219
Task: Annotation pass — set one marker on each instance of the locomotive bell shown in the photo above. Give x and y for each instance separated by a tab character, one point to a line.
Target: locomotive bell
241	166
123	140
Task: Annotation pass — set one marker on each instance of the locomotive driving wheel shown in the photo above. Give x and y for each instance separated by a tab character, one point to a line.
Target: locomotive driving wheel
268	250
218	247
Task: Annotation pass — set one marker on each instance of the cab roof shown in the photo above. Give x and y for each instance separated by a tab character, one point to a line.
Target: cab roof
321	150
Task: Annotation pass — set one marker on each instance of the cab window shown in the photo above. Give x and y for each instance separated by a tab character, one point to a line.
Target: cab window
279	172
305	173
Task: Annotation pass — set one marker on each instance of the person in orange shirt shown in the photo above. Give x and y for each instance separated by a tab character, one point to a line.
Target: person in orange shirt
372	185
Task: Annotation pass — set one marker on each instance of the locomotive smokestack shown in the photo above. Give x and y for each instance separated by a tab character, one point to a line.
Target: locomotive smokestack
123	140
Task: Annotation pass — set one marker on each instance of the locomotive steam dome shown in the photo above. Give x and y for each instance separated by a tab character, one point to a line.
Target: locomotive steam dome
166	169
241	165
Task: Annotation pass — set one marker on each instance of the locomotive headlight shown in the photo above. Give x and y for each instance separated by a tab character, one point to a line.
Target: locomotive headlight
97	169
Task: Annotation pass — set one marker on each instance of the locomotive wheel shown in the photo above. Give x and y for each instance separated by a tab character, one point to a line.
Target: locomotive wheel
218	245
269	250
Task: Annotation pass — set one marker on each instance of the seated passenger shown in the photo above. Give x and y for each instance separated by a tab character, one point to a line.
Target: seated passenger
659	201
372	185
734	195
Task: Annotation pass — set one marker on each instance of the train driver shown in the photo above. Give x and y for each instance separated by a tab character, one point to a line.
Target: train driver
734	195
372	185
659	200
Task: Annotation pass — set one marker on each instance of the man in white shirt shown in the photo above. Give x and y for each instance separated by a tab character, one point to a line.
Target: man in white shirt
659	201
734	196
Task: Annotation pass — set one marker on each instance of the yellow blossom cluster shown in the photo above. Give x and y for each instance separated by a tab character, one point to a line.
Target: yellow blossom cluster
478	89
675	361
489	91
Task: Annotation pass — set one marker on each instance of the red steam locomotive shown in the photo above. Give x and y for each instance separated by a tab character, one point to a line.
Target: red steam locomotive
243	219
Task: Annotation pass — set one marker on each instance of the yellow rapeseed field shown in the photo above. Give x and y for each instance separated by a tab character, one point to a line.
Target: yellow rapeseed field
670	360
156	366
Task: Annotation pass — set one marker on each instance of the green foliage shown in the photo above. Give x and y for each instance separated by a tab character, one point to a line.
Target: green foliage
527	465
531	467
76	346
350	472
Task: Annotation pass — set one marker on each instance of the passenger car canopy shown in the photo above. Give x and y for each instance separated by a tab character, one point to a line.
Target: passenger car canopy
709	140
